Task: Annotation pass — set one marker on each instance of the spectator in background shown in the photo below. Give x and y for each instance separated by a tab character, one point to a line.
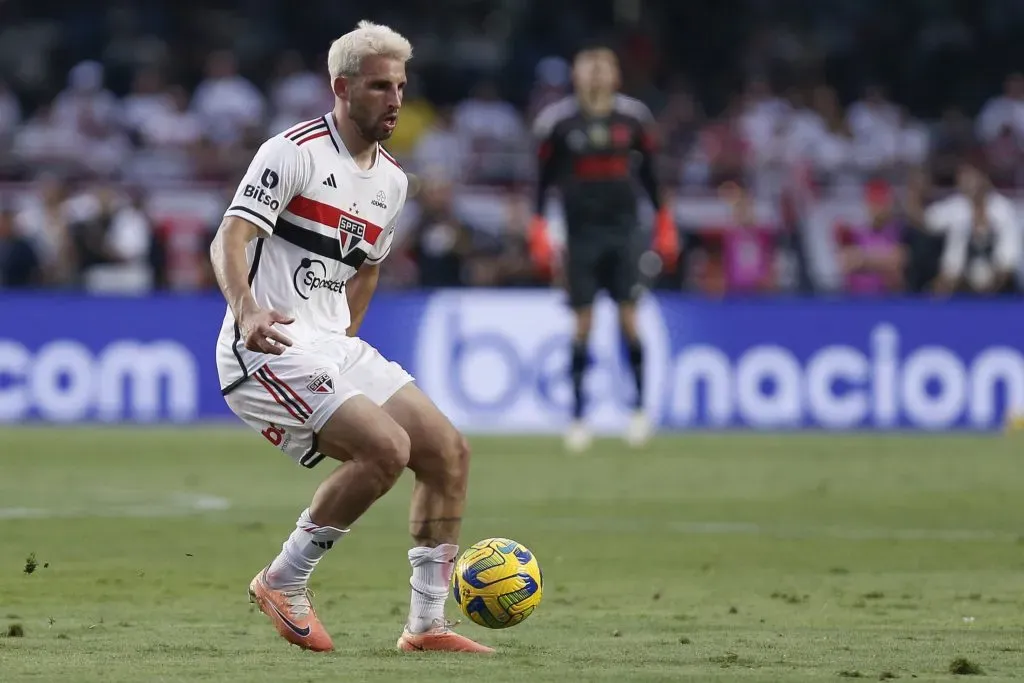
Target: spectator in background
44	145
913	141
297	93
551	83
760	111
494	130
230	108
952	139
45	225
679	124
171	138
873	258
723	145
833	151
148	100
873	116
924	248
1003	156
19	264
748	253
439	243
173	127
113	238
874	123
982	251
442	150
85	105
1004	110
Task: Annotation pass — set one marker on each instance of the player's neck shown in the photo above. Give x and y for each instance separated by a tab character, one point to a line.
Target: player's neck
362	151
596	103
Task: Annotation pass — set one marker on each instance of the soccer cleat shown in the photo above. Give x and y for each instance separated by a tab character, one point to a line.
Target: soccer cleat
577	437
441	638
291	613
638	431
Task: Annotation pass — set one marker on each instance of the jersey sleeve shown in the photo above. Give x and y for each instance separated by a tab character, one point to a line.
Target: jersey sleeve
278	172
382	248
545	133
645	141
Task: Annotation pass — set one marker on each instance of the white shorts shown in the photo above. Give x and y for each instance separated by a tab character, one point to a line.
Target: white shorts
290	398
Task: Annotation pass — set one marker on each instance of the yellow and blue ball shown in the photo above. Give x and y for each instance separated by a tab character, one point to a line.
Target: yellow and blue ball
497	583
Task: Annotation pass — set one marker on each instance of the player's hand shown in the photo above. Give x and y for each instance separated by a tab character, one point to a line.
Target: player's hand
259	334
540	245
666	239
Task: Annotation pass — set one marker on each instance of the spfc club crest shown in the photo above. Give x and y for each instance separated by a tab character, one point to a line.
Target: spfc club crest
350	233
321	383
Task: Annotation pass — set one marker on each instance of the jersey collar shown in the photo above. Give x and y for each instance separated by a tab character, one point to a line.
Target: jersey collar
344	153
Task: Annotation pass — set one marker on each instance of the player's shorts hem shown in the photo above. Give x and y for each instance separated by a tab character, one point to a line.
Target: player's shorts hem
224	391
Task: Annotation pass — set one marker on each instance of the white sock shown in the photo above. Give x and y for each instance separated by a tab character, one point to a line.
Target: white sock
301	552
431	580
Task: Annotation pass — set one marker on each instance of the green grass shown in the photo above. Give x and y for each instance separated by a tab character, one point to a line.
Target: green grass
750	558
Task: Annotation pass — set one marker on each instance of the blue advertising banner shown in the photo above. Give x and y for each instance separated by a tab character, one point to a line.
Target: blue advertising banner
495	361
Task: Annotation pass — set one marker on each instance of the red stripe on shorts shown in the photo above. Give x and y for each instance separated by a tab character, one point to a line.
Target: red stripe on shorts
291	391
281	401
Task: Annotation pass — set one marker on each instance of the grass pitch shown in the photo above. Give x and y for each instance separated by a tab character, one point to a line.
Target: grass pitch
125	556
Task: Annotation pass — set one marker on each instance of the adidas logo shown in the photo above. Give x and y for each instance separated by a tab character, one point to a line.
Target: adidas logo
330	181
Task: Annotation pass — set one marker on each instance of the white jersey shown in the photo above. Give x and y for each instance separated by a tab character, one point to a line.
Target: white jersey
320	217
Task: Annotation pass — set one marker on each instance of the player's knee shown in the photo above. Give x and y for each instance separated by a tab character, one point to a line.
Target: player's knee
391	454
444	464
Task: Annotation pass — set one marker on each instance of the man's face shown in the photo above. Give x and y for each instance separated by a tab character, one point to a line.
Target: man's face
374	96
596	70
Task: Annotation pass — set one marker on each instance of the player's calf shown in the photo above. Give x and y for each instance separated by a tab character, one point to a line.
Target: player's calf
443	465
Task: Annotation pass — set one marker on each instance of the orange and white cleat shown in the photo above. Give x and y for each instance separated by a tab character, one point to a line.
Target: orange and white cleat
441	638
291	613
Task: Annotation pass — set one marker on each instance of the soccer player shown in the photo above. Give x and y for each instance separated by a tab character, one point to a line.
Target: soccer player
297	258
587	144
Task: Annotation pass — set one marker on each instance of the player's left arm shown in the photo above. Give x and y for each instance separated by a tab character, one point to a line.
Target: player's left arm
645	142
359	290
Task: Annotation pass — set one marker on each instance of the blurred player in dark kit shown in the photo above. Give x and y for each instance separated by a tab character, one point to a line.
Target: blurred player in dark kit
590	143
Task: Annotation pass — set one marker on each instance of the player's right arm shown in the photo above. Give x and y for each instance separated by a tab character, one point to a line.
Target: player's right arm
277	173
548	150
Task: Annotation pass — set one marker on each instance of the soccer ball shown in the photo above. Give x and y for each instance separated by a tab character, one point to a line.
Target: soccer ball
497	583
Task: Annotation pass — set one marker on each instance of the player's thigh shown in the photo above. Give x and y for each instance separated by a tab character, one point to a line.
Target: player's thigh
359	429
620	274
289	400
582	277
436	446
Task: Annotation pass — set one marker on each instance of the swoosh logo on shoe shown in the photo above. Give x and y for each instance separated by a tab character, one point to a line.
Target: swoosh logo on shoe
301	632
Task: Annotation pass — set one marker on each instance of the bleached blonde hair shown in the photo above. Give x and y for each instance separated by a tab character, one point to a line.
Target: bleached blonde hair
368	39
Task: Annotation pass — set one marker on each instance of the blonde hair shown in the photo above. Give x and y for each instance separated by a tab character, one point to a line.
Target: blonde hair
368	39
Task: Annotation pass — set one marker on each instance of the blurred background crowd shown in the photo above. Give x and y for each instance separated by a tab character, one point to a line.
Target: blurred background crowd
859	146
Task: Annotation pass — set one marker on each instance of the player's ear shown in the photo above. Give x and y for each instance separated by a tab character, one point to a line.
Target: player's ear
340	86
